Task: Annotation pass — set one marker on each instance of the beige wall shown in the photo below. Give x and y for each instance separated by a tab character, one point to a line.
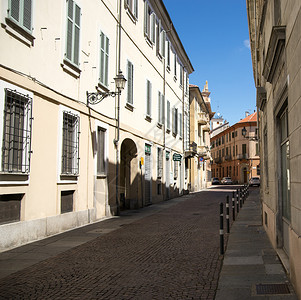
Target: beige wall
278	82
34	64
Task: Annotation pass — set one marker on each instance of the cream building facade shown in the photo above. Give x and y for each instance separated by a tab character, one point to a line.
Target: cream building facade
198	158
275	35
66	162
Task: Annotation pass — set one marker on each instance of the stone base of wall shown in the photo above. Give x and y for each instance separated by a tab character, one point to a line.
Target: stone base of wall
19	233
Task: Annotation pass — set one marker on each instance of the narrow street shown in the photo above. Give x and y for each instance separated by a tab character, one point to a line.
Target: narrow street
165	251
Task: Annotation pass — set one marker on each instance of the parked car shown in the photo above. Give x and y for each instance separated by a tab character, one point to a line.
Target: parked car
215	180
226	180
254	181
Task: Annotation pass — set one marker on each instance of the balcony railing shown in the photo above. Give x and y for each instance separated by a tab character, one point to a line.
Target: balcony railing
218	160
228	157
242	156
202	118
206	127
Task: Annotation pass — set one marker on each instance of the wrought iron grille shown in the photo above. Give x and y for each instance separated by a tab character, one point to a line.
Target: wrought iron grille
70	147
16	143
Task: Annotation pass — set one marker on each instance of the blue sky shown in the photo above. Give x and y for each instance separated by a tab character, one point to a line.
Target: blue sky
215	36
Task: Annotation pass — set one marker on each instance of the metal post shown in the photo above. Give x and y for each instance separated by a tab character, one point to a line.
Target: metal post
233	206
227	214
240	198
221	228
237	201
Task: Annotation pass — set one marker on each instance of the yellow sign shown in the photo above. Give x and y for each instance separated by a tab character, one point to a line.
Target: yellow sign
142	161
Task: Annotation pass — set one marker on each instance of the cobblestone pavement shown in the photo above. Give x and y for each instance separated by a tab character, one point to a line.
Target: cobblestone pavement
172	254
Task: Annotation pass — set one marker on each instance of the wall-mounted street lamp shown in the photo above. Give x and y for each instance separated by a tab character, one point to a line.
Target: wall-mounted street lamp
96	97
244	134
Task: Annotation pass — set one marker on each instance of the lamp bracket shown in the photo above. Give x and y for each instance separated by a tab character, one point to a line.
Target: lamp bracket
96	97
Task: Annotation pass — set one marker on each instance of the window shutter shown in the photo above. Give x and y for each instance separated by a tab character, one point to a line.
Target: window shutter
175	66
163	109
153	27
130	82
148	97
27	14
102	57
173	120
136	8
76	34
168	115
15	9
146	19
163	39
159	108
176	121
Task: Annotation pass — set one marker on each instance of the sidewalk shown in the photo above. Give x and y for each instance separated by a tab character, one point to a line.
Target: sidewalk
251	268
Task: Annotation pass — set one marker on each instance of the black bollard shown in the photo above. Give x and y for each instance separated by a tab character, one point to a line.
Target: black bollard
237	201
240	198
233	206
227	214
221	228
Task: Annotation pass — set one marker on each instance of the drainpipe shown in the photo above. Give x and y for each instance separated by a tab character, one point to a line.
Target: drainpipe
116	141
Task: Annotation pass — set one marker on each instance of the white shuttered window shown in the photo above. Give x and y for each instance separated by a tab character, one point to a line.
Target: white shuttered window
20	11
73	32
104	59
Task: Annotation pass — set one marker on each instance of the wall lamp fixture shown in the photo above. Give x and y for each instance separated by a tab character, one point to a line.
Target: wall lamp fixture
244	134
96	97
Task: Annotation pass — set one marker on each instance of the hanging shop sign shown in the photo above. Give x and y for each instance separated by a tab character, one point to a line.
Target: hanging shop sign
177	157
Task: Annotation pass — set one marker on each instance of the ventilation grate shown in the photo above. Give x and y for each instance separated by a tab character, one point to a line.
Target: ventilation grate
272	289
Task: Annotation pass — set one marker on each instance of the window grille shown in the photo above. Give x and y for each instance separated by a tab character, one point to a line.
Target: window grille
70	147
16	143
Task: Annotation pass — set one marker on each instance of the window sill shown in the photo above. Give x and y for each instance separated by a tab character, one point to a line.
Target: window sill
101	176
67	177
129	106
71	68
159	125
148	40
103	87
167	130
148	118
13	178
168	69
175	78
18	32
131	16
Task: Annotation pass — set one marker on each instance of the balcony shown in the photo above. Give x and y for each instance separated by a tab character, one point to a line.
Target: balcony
202	119
202	148
228	157
206	127
218	160
242	156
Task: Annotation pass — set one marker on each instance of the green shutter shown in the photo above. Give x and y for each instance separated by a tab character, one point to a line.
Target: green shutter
15	9
73	32
27	14
130	82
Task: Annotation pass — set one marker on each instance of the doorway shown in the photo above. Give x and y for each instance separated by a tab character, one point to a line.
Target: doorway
128	175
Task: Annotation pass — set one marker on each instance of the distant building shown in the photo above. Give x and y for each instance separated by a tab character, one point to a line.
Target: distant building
198	160
275	39
218	124
235	155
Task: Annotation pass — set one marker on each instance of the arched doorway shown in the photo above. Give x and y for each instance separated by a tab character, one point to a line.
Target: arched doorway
128	175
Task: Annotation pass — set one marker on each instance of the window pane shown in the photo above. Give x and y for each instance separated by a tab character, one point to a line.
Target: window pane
70	144
101	151
27	14
16	132
15	9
